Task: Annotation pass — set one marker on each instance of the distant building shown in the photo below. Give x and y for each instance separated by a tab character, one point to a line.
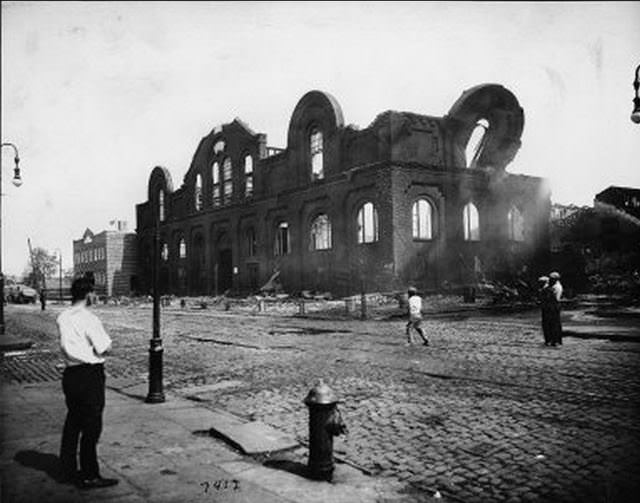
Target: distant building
626	199
110	256
410	199
561	211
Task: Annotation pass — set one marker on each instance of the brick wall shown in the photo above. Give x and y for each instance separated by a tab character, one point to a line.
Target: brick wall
121	262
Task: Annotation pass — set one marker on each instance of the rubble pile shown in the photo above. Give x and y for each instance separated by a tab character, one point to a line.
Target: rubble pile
622	283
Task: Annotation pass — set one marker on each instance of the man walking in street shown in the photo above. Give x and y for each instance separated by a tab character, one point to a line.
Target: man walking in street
83	341
415	317
43	298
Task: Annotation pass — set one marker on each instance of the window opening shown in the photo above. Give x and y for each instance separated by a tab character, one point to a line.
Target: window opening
316	149
282	239
422	219
248	176
367	224
215	176
227	182
476	143
198	193
516	225
320	233
250	242
161	205
471	223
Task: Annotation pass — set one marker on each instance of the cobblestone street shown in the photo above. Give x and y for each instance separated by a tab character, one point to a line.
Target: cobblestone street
486	413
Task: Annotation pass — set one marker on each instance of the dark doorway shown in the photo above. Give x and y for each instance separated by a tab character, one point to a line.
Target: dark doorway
134	285
225	270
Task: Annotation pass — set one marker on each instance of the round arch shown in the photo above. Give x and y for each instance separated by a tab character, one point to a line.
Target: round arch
318	107
502	112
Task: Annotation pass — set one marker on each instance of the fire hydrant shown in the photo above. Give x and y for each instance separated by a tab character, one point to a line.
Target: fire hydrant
325	422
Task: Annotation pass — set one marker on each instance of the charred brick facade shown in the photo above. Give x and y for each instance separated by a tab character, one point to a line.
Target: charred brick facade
409	199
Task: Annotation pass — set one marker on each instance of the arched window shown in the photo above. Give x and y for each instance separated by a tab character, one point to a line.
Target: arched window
250	242
471	222
227	183
165	252
516	224
476	142
422	218
182	249
161	205
281	245
316	149
320	233
198	193
215	176
367	223
218	146
248	176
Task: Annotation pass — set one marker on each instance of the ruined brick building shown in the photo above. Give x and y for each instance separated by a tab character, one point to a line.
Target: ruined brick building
411	199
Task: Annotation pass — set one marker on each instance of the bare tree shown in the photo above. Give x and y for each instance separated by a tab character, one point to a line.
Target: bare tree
43	264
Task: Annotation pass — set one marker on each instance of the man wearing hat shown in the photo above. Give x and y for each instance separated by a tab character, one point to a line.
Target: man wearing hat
544	296
555	323
415	316
84	343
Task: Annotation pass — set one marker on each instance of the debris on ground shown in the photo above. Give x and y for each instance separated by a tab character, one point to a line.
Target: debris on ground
272	286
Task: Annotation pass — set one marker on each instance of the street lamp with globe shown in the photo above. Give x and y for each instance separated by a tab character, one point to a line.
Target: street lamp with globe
17	181
635	115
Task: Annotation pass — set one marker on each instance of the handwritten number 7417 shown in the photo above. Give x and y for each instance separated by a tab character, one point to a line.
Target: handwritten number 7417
221	485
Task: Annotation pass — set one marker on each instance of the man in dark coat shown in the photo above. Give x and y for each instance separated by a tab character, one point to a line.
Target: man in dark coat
545	301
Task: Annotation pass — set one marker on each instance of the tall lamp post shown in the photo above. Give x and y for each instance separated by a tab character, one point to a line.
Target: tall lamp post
17	181
635	115
60	274
156	395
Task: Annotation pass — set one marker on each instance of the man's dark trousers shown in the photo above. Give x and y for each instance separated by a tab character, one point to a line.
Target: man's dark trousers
83	387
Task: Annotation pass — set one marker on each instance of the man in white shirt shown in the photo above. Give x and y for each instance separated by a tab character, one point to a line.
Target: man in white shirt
556	323
83	341
415	316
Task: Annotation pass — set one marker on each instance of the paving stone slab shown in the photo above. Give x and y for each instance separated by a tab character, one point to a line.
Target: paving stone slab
207	388
254	437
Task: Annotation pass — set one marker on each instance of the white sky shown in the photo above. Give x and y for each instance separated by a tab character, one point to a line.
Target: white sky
95	94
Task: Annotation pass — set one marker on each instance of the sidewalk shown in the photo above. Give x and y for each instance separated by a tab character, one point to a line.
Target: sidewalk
159	452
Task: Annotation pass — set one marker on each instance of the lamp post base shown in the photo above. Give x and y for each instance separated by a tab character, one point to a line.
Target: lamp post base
156	395
3	299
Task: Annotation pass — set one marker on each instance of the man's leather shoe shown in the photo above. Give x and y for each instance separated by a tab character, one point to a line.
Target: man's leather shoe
97	483
68	477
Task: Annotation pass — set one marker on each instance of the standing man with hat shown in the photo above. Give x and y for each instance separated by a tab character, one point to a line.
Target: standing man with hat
555	323
83	341
544	299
